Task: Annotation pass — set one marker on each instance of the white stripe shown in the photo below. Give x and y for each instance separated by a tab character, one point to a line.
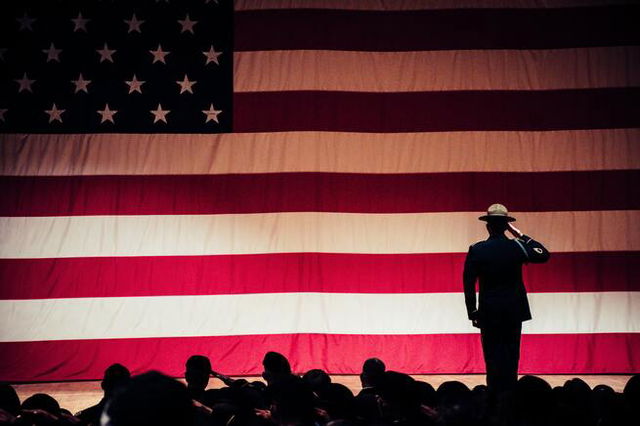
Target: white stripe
87	236
240	5
279	313
339	152
428	71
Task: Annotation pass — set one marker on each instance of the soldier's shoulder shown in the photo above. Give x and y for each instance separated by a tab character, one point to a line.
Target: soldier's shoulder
478	245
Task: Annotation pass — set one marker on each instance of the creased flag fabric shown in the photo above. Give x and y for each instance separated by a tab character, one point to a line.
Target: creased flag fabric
229	178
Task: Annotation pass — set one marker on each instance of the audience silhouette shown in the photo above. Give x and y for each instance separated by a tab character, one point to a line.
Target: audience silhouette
387	398
197	373
115	377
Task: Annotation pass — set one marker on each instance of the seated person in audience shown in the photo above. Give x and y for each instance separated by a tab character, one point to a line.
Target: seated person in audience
9	404
150	399
388	399
531	402
292	402
372	373
115	376
336	402
608	407
631	399
43	410
318	380
276	368
400	400
197	372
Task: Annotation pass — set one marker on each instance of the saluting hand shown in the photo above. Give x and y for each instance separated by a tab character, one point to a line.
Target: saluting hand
514	231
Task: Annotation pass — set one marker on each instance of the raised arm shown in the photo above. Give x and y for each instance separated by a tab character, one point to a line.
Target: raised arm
535	252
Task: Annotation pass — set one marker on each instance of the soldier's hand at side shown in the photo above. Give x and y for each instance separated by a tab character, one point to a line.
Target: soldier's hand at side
514	231
475	323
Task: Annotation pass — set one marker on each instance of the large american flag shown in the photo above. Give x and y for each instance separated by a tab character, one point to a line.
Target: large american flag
229	178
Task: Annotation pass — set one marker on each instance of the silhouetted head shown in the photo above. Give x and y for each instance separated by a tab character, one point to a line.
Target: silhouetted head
480	389
9	400
276	366
604	390
604	400
497	226
115	376
426	393
455	403
42	401
372	372
533	392
197	371
339	401
150	399
577	392
317	379
632	391
399	394
451	392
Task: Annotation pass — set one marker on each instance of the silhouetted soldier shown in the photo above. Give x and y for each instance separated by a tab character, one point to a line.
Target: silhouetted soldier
372	374
496	264
197	371
116	376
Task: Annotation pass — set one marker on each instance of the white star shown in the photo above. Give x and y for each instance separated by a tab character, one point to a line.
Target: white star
80	23
134	24
26	22
25	83
160	114
159	54
106	54
135	85
185	85
107	114
212	55
212	114
55	114
187	24
81	84
53	54
2	113
3	50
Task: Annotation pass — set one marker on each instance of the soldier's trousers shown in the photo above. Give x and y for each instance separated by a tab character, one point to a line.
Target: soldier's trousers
501	347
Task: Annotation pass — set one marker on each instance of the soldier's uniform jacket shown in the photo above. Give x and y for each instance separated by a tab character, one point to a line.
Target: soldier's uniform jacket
496	264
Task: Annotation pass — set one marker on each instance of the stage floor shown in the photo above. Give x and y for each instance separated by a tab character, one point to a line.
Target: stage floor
76	396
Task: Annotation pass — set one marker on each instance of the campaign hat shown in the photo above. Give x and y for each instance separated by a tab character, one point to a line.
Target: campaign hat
497	212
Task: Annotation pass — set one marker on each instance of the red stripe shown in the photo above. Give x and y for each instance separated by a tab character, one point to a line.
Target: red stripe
337	354
435	29
325	192
296	272
436	111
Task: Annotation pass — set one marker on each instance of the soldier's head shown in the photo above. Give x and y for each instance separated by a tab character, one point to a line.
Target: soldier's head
372	372
276	367
497	226
115	376
497	219
198	368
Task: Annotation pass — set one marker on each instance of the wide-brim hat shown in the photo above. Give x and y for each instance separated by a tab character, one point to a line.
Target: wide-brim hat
497	212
